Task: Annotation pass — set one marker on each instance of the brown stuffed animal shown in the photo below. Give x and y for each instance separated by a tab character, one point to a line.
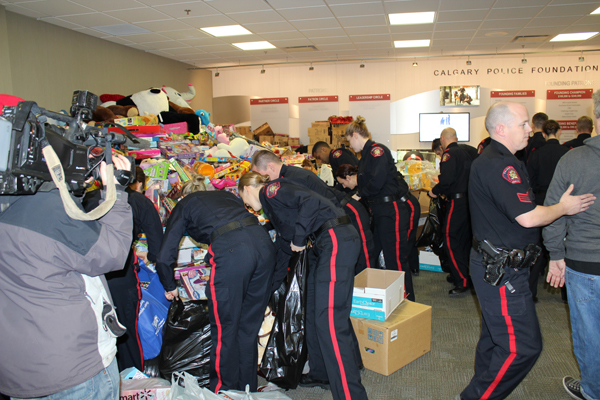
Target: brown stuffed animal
103	114
124	111
180	110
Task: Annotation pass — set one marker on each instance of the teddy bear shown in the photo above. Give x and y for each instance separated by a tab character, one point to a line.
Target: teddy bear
237	147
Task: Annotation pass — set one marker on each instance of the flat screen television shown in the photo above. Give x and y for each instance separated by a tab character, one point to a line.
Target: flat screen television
454	96
432	124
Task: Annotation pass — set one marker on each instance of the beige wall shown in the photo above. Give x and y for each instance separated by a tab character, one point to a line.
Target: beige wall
231	110
46	63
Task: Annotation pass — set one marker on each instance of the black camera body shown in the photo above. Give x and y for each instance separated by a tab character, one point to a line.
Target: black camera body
25	128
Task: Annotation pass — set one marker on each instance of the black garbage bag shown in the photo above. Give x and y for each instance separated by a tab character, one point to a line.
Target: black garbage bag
432	233
187	341
285	353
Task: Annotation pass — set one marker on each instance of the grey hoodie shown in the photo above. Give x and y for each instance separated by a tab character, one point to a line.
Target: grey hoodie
576	237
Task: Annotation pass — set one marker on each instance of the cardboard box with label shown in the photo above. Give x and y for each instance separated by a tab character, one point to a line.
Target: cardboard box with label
429	261
386	346
377	292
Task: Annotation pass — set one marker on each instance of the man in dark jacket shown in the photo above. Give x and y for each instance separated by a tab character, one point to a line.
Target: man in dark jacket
585	125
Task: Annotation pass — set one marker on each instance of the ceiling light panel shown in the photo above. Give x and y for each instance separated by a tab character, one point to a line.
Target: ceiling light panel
254	45
412	18
569	37
411	43
228	30
596	11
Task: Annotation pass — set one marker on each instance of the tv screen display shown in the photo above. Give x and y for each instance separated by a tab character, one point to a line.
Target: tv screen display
459	96
432	124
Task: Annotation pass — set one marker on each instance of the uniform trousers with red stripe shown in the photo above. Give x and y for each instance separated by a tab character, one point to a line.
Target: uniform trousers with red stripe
332	349
415	210
458	240
361	220
392	234
242	262
510	341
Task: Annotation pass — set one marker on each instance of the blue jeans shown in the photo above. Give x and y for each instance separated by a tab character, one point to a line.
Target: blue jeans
583	291
104	386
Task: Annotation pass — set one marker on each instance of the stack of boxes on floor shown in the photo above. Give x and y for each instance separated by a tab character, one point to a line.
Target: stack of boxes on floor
331	132
318	132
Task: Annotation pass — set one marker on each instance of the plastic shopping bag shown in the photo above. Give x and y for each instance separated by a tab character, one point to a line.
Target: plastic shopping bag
285	354
247	395
187	341
190	389
151	319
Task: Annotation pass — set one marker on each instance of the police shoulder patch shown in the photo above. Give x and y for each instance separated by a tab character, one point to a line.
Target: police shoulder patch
272	190
377	151
445	157
511	175
480	148
337	154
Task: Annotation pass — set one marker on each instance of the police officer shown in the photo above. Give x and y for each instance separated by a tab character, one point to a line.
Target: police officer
336	157
537	140
453	182
392	204
436	147
297	213
483	144
585	125
503	213
242	260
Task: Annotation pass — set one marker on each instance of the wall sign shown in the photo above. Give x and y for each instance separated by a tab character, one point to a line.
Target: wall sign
375	108
566	106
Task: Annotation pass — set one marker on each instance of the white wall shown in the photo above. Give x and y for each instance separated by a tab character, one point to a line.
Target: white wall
401	80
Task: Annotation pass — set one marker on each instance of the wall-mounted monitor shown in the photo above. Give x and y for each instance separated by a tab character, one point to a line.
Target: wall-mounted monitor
432	124
457	96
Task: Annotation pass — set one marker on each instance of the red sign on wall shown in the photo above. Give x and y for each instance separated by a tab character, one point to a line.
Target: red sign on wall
274	100
369	97
512	93
569	94
317	99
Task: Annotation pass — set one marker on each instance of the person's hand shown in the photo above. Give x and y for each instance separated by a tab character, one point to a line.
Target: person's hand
119	162
173	294
356	197
297	248
556	273
576	204
431	194
143	255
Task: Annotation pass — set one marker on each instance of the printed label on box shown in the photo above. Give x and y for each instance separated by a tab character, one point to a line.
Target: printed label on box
370	314
367	302
375	335
393	335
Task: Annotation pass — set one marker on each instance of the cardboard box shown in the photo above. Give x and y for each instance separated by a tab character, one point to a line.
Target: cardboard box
245	131
318	131
265	138
320	124
320	138
387	346
264	129
294	141
377	292
428	261
281	139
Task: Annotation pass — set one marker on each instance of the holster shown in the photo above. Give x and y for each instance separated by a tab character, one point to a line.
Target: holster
497	259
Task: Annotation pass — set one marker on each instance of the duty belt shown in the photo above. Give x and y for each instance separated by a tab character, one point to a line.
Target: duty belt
220	231
332	223
457	195
387	199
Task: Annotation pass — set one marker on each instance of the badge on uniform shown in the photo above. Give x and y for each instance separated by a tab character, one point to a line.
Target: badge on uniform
337	154
445	157
272	189
511	175
377	151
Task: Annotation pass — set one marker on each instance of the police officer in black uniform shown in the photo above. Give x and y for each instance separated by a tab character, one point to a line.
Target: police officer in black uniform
436	147
585	125
392	204
535	141
336	157
453	182
242	260
483	144
504	214
297	213
124	284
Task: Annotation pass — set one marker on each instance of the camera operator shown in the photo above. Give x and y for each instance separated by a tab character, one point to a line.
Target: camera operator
58	328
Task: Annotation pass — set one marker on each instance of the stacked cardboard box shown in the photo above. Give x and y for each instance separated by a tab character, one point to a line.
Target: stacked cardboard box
281	139
319	132
338	136
264	133
245	131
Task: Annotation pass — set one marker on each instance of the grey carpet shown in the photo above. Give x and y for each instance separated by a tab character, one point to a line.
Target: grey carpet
448	367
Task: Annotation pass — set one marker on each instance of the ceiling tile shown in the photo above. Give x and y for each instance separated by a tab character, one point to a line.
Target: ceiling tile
204	22
509	13
205	41
146	38
325	23
441	50
541	30
453	26
368	30
558	2
241	39
454	35
589	20
318	33
270	27
567	10
280	44
581	28
232	6
418	28
519	3
183	51
460	16
492	33
492	41
198	9
282	35
94	19
294	14
108	5
563	21
117	39
336	47
368	20
219	47
56	7
60	22
450	42
164	25
138	15
331	40
256	17
375	45
139	46
412	36
371	38
460	5
170	44
336	2
24	11
403	6
91	32
184	34
358	9
503	24
277	4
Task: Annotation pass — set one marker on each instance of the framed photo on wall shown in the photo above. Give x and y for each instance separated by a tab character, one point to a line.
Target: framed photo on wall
454	96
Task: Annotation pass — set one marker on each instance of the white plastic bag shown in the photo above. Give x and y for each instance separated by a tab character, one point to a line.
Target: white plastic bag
238	395
191	391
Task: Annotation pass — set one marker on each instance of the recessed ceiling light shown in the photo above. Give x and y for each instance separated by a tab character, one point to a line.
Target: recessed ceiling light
596	11
411	43
567	37
412	18
229	30
254	45
496	34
